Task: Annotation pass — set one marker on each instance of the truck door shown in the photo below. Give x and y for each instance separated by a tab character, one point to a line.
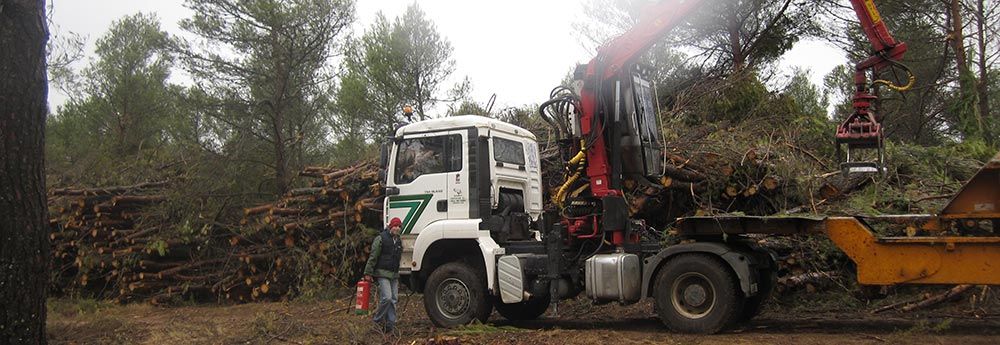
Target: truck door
423	171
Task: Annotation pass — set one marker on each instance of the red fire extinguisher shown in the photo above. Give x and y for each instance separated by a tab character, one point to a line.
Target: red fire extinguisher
362	296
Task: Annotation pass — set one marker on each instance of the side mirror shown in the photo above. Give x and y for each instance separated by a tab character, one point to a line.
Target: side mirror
389	191
383	160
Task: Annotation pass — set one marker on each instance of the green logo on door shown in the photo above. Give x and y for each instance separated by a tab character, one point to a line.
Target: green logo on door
416	205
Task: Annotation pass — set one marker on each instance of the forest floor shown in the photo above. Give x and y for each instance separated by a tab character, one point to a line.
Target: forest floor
813	319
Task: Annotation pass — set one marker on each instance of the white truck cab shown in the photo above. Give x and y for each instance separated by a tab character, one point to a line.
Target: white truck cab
463	186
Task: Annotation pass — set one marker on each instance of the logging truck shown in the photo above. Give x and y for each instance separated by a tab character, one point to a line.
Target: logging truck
478	236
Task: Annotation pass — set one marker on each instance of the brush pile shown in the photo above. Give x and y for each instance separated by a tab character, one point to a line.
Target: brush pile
721	169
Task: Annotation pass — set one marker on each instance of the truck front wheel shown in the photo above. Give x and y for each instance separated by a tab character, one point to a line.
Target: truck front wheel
698	293
456	295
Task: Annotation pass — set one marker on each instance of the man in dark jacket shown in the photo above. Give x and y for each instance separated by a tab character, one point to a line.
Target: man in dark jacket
383	265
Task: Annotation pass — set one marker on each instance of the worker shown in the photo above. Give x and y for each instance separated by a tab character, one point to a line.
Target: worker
383	266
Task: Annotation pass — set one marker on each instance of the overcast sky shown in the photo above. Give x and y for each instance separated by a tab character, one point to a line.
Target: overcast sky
518	49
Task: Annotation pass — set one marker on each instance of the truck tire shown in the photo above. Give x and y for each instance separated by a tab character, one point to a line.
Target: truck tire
768	278
698	293
527	310
456	295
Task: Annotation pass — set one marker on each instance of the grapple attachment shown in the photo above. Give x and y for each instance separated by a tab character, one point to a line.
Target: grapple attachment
861	131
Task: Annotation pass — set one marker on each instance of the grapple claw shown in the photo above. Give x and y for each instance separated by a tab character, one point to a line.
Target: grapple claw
861	131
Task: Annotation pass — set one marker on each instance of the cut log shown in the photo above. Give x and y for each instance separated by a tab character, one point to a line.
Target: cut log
683	174
256	210
932	300
771	182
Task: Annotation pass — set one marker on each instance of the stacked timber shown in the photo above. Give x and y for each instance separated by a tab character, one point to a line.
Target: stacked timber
319	232
741	169
98	234
112	243
746	183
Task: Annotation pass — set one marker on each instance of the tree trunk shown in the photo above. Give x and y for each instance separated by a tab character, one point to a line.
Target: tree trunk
24	240
957	37
736	44
419	97
982	88
966	80
279	107
281	174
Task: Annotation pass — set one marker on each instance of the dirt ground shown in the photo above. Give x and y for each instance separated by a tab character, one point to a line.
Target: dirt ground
826	321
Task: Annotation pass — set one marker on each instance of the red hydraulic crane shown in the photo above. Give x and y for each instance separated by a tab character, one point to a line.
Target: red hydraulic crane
862	129
616	133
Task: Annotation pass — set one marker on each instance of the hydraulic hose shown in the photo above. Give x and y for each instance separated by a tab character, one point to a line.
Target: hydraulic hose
579	161
911	79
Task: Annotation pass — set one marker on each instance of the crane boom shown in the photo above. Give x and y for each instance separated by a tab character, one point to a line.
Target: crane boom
656	21
876	31
863	130
608	66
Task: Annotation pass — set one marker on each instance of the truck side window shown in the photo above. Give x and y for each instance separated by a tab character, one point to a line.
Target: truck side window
508	151
427	155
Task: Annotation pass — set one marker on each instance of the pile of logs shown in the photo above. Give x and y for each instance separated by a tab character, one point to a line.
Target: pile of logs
320	232
312	237
98	235
749	184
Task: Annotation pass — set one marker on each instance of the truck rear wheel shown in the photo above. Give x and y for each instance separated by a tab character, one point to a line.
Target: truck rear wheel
456	295
527	310
698	293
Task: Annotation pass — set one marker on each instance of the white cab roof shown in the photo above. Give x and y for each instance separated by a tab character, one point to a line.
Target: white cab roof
463	121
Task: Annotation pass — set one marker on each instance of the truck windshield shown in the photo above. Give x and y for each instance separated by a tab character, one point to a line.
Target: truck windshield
427	155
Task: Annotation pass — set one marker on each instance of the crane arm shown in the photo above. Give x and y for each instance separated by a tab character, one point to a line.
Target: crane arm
660	18
878	34
863	130
655	22
610	65
887	51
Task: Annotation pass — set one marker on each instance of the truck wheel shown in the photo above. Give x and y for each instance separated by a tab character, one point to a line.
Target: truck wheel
527	310
765	288
698	293
455	295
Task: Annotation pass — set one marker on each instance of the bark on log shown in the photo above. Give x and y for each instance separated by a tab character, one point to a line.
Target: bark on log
683	174
947	295
256	210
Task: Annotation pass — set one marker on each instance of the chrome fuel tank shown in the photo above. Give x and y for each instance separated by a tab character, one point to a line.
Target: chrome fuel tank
614	277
